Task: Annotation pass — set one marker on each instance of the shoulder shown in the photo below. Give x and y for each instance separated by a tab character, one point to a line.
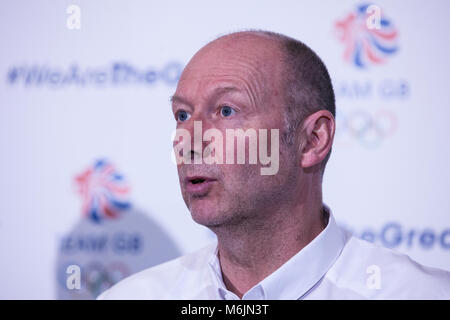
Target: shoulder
164	281
375	272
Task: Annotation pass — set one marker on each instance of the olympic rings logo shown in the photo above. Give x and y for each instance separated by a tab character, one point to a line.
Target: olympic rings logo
96	277
369	129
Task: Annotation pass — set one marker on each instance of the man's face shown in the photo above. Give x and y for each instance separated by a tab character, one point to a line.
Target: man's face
233	83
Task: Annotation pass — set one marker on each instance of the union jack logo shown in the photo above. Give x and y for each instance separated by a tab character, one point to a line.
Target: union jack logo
103	191
364	45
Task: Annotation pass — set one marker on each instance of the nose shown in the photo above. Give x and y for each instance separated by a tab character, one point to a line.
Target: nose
192	144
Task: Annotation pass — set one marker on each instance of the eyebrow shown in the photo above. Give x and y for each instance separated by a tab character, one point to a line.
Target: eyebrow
175	98
217	91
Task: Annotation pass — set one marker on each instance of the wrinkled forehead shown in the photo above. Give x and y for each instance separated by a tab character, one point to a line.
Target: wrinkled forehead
251	62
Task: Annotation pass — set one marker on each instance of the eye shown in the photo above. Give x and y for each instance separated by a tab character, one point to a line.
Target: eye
227	111
182	116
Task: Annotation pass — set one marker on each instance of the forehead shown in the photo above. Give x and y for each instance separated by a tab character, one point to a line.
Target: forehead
250	63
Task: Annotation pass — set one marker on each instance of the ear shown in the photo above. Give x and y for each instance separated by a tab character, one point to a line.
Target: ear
317	138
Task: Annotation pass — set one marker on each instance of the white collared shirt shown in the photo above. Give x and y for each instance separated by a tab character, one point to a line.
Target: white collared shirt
335	265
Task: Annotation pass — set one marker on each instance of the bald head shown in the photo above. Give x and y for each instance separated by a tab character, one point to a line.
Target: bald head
252	59
264	44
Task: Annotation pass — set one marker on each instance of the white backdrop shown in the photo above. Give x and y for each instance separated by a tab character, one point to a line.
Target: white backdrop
71	97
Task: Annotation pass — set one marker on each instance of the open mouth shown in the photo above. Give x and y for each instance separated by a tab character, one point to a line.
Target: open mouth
197	180
199	186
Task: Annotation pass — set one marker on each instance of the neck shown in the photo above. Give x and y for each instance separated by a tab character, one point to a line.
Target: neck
255	248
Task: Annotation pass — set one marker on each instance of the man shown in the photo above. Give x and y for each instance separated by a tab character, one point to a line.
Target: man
275	237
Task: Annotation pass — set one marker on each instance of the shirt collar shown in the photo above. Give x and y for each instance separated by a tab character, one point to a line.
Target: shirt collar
300	273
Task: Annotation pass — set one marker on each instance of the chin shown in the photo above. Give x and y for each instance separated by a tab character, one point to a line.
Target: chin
204	217
205	214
